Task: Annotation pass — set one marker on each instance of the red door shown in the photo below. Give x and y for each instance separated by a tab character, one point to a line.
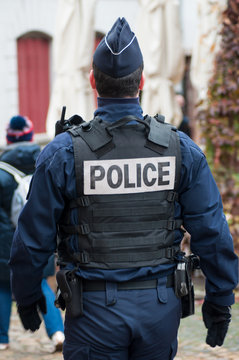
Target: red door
33	80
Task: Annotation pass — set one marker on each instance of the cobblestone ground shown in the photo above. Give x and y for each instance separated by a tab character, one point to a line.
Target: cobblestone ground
36	346
192	334
25	345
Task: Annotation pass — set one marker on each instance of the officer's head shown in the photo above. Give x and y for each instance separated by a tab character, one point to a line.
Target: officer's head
118	63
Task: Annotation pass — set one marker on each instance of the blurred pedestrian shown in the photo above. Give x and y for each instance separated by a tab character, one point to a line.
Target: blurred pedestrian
21	153
185	123
111	196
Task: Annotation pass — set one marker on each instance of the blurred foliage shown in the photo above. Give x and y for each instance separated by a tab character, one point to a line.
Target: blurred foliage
219	119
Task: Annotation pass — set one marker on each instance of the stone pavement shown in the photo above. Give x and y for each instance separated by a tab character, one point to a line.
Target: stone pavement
25	345
192	334
36	346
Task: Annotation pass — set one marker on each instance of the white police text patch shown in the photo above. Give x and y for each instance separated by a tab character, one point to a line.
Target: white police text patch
123	176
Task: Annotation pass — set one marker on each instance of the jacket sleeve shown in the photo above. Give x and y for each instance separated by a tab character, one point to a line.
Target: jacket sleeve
204	219
35	237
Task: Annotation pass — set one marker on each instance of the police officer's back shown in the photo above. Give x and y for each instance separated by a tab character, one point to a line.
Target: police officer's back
115	193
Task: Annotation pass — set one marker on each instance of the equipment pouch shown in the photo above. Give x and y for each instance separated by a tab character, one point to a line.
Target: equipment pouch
187	302
71	291
183	286
180	280
59	301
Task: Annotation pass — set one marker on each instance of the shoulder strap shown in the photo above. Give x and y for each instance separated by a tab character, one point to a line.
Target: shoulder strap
160	137
17	174
75	141
159	133
179	161
93	132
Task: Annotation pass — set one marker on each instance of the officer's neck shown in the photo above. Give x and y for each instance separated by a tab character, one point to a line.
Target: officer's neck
113	109
107	100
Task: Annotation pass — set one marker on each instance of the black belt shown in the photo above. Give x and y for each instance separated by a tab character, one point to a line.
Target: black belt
100	285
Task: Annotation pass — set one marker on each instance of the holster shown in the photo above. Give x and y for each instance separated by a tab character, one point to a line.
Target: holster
70	293
187	302
183	284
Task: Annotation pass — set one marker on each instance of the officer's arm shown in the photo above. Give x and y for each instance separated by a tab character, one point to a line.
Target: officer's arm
204	219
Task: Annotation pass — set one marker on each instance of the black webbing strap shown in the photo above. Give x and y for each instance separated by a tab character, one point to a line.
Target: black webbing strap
129	257
141	241
111	227
132	211
143	225
100	285
178	162
154	196
76	145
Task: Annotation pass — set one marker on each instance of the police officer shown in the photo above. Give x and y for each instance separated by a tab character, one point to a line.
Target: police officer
111	196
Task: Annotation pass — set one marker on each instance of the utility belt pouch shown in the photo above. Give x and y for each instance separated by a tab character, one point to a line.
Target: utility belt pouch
180	280
183	286
70	296
187	302
59	301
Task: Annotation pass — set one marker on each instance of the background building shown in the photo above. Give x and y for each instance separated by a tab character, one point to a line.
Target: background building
26	40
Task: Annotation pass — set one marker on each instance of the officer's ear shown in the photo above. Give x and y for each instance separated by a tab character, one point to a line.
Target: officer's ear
141	84
92	80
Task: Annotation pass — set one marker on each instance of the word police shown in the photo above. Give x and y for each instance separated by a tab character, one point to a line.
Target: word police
122	176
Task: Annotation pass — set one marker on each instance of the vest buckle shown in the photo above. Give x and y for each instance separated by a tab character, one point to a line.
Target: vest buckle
84	201
169	253
172	196
82	257
84	229
171	225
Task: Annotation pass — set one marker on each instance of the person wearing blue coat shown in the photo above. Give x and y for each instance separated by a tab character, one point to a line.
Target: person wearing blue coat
21	152
125	203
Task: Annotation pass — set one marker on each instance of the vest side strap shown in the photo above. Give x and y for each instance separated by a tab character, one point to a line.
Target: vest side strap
111	227
88	200
131	211
167	253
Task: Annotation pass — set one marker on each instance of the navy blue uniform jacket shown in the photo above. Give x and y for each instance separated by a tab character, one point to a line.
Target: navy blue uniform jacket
200	207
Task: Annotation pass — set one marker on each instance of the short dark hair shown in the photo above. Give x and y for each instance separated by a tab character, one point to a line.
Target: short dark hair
108	86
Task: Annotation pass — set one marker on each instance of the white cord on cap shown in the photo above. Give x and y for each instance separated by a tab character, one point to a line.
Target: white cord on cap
122	49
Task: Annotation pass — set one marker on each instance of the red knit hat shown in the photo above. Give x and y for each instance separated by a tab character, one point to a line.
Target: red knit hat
20	128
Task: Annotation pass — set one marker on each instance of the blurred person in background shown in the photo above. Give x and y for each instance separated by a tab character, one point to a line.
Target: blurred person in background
21	153
185	123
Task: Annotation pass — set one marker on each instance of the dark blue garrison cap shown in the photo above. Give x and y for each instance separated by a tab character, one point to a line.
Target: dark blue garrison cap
118	54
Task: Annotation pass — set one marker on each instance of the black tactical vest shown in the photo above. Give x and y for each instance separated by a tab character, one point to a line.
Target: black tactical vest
127	177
